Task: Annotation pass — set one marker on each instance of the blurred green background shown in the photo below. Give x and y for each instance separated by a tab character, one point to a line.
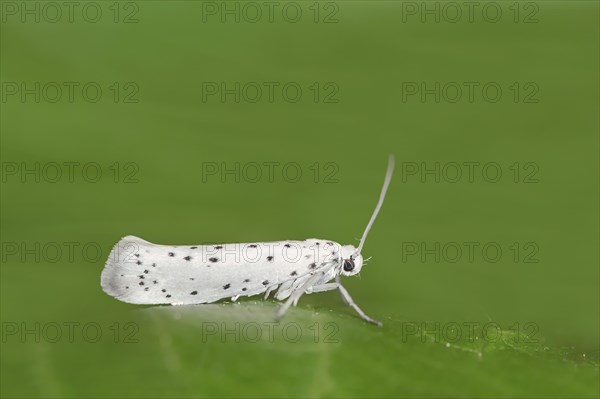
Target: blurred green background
158	127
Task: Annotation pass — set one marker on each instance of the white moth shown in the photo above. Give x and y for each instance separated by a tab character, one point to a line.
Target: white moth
140	272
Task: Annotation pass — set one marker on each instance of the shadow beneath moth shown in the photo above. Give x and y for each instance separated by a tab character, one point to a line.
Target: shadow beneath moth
141	272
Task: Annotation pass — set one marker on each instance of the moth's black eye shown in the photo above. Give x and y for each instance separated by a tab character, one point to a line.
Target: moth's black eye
348	265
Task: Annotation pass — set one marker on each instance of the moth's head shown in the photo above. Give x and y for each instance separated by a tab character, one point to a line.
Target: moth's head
351	262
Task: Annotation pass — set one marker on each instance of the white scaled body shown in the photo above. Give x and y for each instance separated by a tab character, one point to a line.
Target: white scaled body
140	272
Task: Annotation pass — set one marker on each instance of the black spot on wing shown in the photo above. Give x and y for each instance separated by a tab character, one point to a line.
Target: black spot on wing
294	273
194	293
188	258
247	280
226	286
270	258
171	254
213	260
266	282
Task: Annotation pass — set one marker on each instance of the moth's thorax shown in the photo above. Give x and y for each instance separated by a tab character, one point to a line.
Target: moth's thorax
348	253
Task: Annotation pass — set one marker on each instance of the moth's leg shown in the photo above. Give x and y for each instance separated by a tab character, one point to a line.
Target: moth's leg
338	281
318	288
270	289
350	302
295	296
234	298
322	288
286	305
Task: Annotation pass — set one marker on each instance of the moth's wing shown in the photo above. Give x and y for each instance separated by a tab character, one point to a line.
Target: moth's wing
126	275
140	272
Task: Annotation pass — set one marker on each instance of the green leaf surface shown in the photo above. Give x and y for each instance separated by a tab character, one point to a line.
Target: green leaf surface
486	287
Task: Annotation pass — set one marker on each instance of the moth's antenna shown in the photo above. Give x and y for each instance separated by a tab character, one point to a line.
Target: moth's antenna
386	183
